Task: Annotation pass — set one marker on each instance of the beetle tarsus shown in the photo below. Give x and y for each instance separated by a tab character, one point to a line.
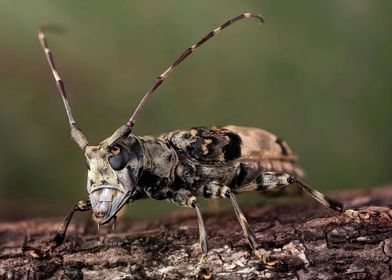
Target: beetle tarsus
204	270
261	254
357	215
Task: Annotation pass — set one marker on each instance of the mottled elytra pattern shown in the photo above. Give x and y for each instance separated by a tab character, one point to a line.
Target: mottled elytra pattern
181	166
208	145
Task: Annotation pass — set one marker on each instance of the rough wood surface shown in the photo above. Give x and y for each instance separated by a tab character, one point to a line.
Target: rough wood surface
314	242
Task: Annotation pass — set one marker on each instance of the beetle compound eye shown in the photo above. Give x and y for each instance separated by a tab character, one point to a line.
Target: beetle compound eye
119	159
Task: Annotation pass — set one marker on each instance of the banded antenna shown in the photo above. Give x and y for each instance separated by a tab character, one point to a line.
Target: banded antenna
76	134
125	130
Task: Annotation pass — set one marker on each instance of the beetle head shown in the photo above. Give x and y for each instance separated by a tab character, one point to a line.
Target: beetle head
113	172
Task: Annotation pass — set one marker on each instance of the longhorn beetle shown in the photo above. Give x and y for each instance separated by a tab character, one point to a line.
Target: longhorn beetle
181	166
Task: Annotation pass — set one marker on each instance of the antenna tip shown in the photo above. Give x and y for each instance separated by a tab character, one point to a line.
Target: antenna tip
255	15
51	27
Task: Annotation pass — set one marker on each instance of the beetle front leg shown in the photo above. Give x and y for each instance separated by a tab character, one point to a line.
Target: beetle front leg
186	199
45	249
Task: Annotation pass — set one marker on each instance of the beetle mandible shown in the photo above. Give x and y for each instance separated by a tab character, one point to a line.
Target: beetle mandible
181	166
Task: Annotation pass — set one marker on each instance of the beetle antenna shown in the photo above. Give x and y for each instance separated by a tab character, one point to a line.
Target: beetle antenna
76	134
126	129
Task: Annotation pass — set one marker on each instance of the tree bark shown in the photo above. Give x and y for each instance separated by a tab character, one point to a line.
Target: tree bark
314	243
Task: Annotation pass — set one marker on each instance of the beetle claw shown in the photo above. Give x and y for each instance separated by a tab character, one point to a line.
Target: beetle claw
204	272
37	253
357	215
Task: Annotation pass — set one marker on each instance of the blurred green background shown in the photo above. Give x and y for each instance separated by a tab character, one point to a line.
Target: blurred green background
318	74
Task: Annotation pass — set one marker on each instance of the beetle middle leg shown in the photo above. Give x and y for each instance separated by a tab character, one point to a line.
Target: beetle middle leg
262	254
45	249
216	191
186	199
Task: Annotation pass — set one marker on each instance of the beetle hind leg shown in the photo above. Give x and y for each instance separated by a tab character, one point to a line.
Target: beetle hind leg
273	181
330	203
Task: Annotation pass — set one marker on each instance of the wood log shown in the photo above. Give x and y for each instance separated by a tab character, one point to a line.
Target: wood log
314	243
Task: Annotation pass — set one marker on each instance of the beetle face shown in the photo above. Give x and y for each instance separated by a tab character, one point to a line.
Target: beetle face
112	176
